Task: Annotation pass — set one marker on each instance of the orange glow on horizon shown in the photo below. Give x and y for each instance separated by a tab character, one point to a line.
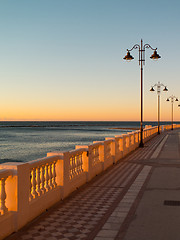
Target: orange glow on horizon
85	112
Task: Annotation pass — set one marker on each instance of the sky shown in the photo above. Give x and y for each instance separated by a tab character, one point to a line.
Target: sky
63	59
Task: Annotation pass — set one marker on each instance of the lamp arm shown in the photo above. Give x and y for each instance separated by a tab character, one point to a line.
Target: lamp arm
134	47
172	97
149	46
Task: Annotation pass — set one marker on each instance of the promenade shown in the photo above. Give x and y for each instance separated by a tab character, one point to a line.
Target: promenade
136	199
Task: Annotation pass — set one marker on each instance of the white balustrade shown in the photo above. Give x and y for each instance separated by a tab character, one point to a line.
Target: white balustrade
131	141
76	163
42	176
3	208
73	169
4	174
96	159
95	155
126	142
118	147
136	138
109	152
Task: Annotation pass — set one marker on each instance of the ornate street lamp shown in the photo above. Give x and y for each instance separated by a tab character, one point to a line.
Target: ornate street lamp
159	85
172	98
128	57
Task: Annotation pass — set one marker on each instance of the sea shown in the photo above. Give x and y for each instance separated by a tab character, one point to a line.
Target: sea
23	141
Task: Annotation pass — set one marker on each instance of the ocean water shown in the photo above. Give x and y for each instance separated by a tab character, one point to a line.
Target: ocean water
26	141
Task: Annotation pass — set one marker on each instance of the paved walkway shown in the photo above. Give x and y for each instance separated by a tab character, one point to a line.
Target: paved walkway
136	199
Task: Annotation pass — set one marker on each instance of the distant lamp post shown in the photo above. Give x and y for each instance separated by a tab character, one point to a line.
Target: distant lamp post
128	57
158	86
172	98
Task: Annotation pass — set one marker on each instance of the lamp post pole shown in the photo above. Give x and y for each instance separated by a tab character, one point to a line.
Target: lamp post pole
128	57
141	126
172	98
159	85
158	113
172	115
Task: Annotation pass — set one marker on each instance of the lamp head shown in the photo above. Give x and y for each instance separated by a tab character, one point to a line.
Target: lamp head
155	55
152	89
165	89
167	99
128	57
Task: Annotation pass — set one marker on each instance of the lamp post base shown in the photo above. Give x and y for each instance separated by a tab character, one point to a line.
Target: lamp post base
141	145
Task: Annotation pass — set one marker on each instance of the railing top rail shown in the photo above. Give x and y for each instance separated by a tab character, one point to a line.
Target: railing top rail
118	136
78	151
125	135
130	133
137	131
4	173
44	161
109	140
150	128
96	144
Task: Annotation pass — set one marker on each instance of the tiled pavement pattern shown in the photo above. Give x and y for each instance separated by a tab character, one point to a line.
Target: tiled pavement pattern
112	226
92	207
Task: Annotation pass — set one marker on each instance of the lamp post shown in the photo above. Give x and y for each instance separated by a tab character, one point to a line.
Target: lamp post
158	86
172	98
128	57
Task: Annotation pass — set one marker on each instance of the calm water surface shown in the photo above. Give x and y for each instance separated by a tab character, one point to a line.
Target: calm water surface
25	141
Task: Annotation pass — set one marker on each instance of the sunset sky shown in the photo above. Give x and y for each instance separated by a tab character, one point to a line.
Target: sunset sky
63	59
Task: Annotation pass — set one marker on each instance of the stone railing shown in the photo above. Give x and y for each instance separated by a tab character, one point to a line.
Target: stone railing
28	189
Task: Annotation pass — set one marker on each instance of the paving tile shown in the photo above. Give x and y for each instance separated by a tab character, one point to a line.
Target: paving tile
107	233
80	236
115	220
111	226
119	214
68	234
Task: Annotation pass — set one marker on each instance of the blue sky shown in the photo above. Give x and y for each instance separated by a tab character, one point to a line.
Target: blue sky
62	60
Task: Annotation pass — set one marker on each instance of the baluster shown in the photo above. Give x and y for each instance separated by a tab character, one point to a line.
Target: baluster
30	190
47	178
77	164
73	166
81	162
95	156
43	179
50	176
34	193
3	208
54	175
38	180
70	168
